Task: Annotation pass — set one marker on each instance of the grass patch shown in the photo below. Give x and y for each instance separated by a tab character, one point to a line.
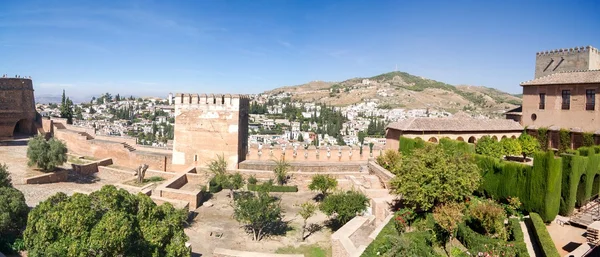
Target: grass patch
147	181
74	160
90	158
313	250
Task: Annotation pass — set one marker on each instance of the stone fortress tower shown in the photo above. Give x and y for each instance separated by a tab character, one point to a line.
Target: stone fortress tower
17	107
562	60
207	125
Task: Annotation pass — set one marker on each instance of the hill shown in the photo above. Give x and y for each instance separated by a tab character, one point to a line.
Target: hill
403	90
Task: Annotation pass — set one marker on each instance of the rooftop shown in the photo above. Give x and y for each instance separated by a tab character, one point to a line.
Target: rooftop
461	123
570	77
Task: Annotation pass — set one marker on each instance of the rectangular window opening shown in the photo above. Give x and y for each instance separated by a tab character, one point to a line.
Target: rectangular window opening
542	101
590	99
566	99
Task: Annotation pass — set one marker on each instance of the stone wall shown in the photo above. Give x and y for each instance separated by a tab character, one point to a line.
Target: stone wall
209	125
52	177
342	245
384	175
183	187
561	60
17	107
322	167
335	154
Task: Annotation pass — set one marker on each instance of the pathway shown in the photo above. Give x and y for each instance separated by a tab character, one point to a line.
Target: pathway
527	238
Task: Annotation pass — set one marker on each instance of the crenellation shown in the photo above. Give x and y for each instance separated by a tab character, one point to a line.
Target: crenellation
224	100
566	60
572	50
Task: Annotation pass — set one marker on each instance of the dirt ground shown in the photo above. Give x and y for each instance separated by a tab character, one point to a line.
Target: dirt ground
566	238
219	218
14	155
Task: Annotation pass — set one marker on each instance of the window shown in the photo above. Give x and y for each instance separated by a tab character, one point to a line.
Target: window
590	99
542	101
566	99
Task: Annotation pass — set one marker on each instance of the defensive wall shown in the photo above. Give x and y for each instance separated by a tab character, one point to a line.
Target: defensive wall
17	107
122	150
568	59
207	125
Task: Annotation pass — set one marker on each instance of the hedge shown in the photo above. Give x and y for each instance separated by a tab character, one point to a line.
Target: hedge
275	188
476	242
517	236
542	236
382	242
579	179
456	146
407	145
538	187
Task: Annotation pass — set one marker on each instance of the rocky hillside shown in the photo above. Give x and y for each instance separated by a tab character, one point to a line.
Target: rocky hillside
403	90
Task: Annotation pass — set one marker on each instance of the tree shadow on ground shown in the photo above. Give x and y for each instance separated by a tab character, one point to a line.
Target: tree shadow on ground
79	178
14	143
279	228
333	224
319	197
311	229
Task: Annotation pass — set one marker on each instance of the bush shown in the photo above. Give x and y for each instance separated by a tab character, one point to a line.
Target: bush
13	216
390	160
511	146
487	217
489	147
108	222
387	243
457	147
588	139
543	139
46	154
477	243
214	186
274	188
323	184
517	236
5	180
252	180
565	141
345	206
542	236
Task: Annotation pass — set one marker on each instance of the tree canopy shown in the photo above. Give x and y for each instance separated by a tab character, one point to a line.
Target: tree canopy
489	147
46	154
13	212
343	206
322	183
529	144
108	222
5	180
260	213
511	146
431	176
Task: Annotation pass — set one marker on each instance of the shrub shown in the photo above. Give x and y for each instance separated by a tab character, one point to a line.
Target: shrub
5	180
529	145
13	213
274	188
511	146
402	219
407	145
543	138
588	139
345	206
542	236
252	180
517	236
489	147
322	183
214	186
390	160
487	217
456	147
477	243
46	154
281	169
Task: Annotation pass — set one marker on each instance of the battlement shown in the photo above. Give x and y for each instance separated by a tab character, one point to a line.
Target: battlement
210	99
568	51
16	84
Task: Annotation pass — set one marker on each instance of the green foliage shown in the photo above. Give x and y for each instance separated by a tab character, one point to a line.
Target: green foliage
108	222
322	183
307	210
13	212
537	187
542	236
46	154
218	167
390	160
579	182
273	188
529	145
214	186
280	170
565	141
407	145
403	218
511	146
448	215
431	175
306	250
456	147
252	180
588	139
345	206
487	217
5	180
389	243
517	236
513	206
260	213
543	139
477	243
489	147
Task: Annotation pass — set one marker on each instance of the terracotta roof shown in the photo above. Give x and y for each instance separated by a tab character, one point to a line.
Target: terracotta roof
455	124
569	77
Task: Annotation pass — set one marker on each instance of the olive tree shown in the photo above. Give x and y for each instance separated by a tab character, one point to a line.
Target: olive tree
46	154
5	180
431	176
322	184
260	213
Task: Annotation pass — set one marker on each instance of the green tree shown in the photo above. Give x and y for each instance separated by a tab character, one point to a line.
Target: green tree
307	210
218	167
588	139
343	206
390	160
487	217
300	138
108	222
232	182
46	154
489	147
281	170
431	176
529	145
13	214
260	213
322	184
511	146
5	180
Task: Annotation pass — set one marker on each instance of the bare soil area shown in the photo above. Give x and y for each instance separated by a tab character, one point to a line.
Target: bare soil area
218	219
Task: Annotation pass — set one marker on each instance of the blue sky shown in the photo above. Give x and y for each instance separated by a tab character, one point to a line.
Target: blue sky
156	47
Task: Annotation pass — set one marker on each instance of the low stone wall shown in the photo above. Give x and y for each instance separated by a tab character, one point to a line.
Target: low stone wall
172	189
321	167
342	245
178	204
221	252
338	154
381	172
301	179
52	177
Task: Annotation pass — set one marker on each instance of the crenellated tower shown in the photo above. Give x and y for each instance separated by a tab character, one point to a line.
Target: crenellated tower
571	59
210	125
17	107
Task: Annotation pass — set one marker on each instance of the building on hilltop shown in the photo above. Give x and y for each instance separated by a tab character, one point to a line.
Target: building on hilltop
458	127
563	93
17	107
210	125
